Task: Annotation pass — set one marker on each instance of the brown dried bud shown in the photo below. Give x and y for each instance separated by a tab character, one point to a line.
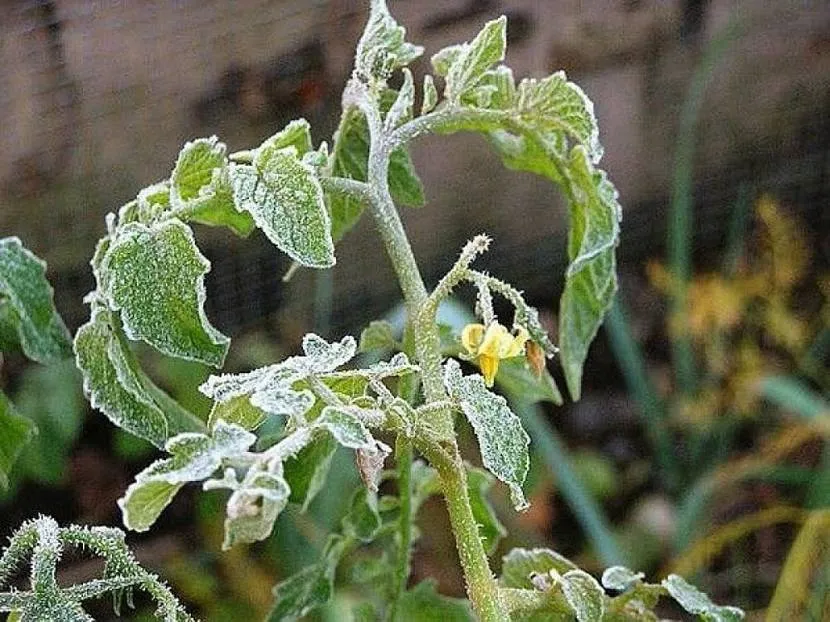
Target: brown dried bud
535	356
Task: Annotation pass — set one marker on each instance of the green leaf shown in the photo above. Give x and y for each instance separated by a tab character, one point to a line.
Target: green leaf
193	457
307	470
31	309
155	276
378	336
238	410
150	204
350	159
362	520
51	398
696	602
383	48
401	110
200	189
591	278
555	105
620	578
344	424
423	604
474	58
490	528
520	564
127	405
253	509
516	378
584	595
285	198
502	440
194	169
296	134
310	588
15	434
443	60
430	95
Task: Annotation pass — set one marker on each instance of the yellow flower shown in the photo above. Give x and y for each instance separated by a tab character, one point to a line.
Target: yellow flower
487	345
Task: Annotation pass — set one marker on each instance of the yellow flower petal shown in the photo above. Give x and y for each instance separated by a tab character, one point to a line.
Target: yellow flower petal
496	341
471	337
517	344
489	365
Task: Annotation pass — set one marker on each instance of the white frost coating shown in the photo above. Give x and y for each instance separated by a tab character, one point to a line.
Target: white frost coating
584	595
398	365
554	103
501	437
193	457
321	356
270	388
282	400
155	275
620	578
696	602
285	198
474	58
401	110
345	426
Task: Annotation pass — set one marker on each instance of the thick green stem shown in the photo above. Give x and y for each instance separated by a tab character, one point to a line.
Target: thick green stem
403	457
481	585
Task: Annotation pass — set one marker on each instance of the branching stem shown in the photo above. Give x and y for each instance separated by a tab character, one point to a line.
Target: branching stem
481	585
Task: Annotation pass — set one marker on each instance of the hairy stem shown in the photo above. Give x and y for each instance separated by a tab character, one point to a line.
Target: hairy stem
481	585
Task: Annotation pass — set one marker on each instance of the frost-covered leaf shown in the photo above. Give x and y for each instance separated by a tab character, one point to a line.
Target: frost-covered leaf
113	386
430	95
401	109
322	356
238	410
285	198
516	380
15	433
310	588
423	604
150	204
344	424
383	47
398	365
193	457
519	565
43	542
591	278
253	509
584	595
155	276
296	134
194	168
696	602
369	462
378	336
495	90
474	58
502	440
553	104
29	307
307	470
445	58
490	528
362	520
278	389
620	578
350	159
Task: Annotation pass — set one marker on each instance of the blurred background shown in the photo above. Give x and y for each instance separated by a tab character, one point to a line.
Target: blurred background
700	444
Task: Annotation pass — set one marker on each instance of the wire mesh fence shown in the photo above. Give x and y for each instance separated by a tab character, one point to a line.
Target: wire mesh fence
98	97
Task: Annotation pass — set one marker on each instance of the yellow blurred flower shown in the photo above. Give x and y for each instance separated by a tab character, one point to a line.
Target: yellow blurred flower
487	345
